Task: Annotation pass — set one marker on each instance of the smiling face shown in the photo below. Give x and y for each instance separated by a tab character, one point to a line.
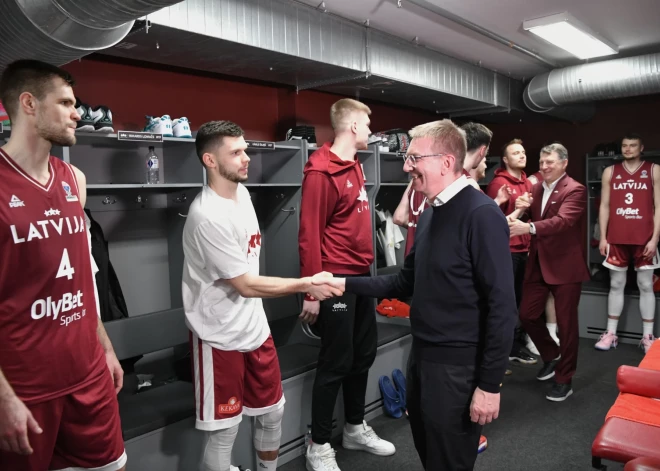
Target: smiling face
55	115
229	159
552	167
427	166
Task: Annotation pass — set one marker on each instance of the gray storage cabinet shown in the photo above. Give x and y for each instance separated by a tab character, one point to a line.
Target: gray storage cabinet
143	225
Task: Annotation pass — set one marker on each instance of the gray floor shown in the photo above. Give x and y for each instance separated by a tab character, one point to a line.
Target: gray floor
532	433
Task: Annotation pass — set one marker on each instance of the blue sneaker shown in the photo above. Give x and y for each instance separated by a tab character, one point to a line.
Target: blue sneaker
391	398
399	381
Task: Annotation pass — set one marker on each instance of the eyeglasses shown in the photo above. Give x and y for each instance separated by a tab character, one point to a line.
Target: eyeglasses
414	158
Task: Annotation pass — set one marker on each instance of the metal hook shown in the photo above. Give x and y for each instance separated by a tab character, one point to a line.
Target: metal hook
139	199
181	198
106	200
290	210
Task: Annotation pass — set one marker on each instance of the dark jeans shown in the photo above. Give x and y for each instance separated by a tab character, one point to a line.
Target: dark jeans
439	397
349	336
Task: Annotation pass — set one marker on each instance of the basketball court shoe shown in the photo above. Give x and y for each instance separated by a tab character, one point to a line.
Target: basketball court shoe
646	342
159	125
86	122
607	340
181	128
102	117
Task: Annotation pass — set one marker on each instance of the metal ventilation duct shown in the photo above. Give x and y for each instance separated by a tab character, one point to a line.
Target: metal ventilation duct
586	83
59	31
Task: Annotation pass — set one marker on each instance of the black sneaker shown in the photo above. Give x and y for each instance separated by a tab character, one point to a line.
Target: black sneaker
102	119
523	357
86	123
559	392
548	370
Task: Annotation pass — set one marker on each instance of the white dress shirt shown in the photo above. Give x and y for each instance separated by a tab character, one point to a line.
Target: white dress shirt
452	190
547	192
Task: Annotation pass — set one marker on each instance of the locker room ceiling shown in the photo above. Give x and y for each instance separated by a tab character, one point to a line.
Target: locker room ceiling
632	25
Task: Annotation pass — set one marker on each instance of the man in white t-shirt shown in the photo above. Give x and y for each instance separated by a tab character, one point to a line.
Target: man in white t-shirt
236	369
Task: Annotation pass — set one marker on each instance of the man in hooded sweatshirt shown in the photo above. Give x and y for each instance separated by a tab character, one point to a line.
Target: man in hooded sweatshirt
336	236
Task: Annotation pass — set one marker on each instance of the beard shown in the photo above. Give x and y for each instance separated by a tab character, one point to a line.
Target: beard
56	136
231	176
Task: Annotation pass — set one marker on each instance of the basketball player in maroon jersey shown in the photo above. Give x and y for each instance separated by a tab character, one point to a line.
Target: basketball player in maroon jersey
629	231
58	405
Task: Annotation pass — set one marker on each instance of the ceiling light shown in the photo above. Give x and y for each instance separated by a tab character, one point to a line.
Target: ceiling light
564	31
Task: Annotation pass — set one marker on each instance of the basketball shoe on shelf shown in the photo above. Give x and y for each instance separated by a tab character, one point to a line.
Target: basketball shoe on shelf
86	122
159	125
181	128
102	117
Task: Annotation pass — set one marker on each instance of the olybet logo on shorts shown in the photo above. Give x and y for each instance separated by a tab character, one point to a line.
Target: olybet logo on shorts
49	307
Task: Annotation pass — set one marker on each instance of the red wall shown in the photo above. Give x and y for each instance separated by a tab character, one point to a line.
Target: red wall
613	119
266	112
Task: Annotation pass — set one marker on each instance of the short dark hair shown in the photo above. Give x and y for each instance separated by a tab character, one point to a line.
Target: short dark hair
476	135
27	75
211	134
633	136
510	143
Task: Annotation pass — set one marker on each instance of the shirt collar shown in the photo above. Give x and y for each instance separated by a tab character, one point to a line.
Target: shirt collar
451	191
554	184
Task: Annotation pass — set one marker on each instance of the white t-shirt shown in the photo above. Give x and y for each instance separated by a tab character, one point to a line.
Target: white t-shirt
222	240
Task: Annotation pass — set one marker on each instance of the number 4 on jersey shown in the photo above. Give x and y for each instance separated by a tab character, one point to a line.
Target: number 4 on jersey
65	267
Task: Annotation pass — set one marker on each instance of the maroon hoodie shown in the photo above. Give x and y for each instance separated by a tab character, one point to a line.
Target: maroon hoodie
335	218
518	187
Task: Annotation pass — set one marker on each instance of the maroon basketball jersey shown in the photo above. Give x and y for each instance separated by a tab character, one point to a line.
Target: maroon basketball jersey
418	203
48	316
631	205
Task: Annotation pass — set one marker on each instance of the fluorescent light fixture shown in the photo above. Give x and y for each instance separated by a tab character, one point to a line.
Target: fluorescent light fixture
564	31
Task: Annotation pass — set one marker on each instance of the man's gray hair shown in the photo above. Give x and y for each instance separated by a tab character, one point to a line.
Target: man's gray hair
561	151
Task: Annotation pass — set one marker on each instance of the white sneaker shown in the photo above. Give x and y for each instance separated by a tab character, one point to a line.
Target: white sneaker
366	439
162	125
181	128
321	458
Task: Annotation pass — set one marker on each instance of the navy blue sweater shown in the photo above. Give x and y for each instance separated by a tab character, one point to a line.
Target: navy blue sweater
460	276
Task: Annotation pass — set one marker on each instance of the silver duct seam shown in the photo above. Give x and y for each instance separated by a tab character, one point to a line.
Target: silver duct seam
59	31
618	78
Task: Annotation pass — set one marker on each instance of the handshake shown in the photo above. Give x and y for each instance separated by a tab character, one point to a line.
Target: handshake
324	285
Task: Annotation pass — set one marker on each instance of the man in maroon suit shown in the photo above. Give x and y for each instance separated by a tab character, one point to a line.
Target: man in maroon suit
556	265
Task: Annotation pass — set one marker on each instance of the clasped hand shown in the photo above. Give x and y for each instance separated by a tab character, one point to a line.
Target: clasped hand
325	286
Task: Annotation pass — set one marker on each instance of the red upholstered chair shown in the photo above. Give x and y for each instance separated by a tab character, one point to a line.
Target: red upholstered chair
643	464
631	428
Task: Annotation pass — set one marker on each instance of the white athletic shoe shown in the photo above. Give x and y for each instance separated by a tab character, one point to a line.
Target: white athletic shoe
322	458
365	439
159	125
181	128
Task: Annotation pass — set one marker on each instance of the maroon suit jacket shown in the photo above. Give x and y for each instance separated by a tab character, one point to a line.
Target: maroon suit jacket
558	243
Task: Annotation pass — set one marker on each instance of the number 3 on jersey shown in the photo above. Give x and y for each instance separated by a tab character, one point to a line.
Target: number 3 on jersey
629	198
65	267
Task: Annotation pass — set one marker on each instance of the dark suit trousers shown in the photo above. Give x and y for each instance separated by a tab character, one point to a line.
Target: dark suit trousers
438	400
567	298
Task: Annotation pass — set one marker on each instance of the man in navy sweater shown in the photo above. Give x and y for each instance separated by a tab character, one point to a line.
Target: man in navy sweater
463	312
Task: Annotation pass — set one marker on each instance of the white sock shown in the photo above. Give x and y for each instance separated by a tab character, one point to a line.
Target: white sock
646	299
266	465
647	328
615	298
552	328
612	324
350	428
